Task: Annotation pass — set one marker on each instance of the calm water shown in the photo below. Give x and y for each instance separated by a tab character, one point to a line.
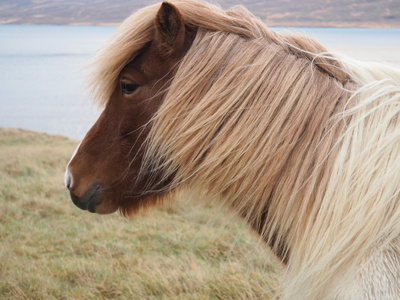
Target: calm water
40	78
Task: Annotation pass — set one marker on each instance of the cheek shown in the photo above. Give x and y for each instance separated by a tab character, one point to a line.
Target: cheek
131	147
134	120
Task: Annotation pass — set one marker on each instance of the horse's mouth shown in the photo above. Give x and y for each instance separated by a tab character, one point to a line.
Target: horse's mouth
90	200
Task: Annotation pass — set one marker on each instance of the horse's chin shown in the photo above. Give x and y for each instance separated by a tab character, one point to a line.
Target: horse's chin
106	204
104	209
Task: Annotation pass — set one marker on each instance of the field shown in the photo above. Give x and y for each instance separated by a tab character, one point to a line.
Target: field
49	249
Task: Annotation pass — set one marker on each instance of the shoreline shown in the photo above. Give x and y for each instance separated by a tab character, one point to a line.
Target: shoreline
273	25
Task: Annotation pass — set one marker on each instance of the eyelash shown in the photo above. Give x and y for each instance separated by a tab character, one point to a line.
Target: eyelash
129	88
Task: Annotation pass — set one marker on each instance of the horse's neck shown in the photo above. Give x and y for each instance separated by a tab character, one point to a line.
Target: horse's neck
293	167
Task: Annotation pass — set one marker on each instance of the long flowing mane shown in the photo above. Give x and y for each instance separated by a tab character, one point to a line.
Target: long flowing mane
303	144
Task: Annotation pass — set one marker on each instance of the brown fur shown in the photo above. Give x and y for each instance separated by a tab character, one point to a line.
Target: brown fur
113	146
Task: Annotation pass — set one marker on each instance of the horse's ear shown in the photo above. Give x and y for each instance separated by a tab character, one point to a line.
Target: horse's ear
170	29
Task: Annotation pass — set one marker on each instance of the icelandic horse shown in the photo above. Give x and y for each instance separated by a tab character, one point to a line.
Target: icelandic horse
303	144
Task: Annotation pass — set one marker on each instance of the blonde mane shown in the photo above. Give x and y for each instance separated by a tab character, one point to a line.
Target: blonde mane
137	31
304	145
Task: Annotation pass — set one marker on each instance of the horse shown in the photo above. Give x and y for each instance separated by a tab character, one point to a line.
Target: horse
303	144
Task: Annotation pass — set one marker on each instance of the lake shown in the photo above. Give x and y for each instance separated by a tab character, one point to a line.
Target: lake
40	76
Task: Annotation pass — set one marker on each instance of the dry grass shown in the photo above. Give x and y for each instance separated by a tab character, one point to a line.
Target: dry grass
49	249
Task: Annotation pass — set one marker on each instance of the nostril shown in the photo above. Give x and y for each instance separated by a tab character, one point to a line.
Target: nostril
68	179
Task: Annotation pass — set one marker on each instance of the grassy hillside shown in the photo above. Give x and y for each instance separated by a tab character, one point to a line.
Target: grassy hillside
317	13
49	249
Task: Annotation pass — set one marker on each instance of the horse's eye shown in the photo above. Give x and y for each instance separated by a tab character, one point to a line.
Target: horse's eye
128	87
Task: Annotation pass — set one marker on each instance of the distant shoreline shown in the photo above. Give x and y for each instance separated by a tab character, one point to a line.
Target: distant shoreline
289	25
288	13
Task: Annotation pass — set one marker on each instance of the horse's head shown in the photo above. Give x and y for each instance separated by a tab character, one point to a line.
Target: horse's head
102	174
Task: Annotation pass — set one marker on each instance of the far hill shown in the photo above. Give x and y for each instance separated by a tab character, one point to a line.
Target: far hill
313	13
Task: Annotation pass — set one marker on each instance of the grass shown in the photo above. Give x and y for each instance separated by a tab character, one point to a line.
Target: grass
49	249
